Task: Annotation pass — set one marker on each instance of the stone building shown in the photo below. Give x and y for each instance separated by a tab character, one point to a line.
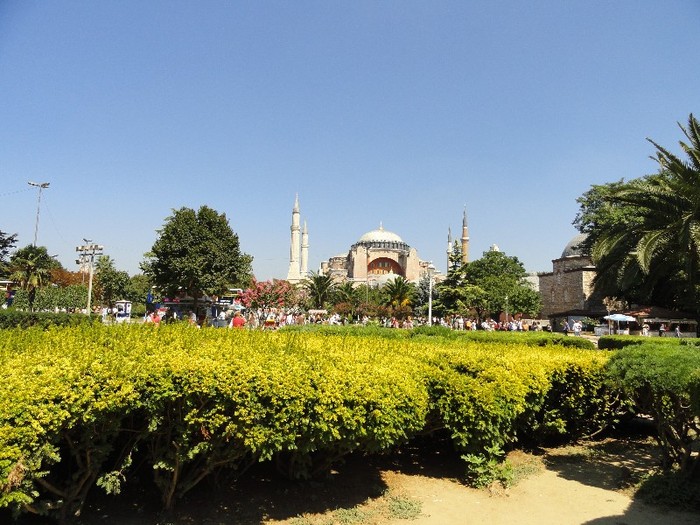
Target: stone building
378	256
567	291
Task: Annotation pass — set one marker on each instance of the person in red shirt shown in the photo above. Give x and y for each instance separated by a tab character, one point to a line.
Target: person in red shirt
237	321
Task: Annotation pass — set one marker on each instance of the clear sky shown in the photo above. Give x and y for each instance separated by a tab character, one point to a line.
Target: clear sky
400	112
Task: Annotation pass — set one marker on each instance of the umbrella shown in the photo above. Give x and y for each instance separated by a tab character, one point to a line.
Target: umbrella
619	317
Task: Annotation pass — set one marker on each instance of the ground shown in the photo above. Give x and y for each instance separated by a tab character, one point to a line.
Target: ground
590	483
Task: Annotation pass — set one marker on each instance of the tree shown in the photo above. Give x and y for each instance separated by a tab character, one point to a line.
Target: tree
398	294
31	268
64	278
347	299
488	286
138	288
7	242
111	284
197	253
644	235
422	294
320	289
266	295
503	281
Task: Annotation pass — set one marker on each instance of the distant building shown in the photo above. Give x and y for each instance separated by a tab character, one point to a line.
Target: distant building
567	291
377	256
298	248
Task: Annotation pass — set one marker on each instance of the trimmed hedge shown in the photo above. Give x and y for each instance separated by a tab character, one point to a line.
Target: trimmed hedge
663	381
616	342
445	333
78	404
12	318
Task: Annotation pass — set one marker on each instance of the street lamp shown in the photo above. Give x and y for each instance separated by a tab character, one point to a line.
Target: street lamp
41	186
431	269
89	250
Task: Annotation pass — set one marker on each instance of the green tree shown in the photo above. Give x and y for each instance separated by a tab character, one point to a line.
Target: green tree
31	267
320	289
399	294
197	253
488	286
421	296
7	242
110	284
138	288
347	299
503	280
644	235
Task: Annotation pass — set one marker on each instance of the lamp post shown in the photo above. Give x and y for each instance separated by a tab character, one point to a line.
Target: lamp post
431	269
41	186
89	250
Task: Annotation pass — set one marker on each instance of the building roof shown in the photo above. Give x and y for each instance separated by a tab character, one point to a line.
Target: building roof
380	235
573	249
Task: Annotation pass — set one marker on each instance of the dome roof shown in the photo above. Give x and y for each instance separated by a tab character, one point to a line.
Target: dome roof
573	249
380	235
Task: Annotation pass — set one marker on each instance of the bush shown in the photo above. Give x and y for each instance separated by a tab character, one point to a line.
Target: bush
12	318
77	404
664	382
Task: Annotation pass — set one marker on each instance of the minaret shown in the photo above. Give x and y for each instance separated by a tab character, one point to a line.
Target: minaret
449	248
293	275
465	238
304	252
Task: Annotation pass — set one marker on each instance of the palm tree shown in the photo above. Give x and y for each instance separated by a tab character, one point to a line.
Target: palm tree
346	293
661	246
320	289
31	268
398	292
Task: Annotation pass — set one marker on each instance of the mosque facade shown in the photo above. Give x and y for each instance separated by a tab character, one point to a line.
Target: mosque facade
375	258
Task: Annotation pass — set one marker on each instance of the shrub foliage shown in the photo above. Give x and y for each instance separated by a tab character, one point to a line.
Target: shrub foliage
80	405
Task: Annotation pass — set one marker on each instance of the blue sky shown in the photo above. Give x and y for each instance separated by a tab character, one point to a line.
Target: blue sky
399	112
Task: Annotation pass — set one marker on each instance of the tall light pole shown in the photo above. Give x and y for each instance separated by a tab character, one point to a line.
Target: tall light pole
89	250
431	269
41	186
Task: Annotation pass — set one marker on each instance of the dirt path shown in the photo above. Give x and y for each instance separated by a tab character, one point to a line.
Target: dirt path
590	484
542	499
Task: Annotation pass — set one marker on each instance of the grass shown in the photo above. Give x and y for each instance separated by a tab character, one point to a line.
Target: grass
387	507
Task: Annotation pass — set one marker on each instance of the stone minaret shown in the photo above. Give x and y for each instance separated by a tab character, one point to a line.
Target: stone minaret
465	238
304	252
294	274
449	248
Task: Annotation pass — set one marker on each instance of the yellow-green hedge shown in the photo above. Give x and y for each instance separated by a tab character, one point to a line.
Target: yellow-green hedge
77	404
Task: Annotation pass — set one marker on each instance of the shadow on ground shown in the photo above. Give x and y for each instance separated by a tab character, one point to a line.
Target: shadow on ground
263	494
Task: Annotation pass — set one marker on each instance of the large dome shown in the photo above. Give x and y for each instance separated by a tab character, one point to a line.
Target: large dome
380	235
573	249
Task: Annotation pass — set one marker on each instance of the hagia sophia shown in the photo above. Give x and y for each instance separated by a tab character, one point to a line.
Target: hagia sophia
380	255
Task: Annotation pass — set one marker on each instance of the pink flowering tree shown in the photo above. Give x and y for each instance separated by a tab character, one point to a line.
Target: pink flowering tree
266	296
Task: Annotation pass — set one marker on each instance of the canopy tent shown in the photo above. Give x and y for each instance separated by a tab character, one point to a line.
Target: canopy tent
620	318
